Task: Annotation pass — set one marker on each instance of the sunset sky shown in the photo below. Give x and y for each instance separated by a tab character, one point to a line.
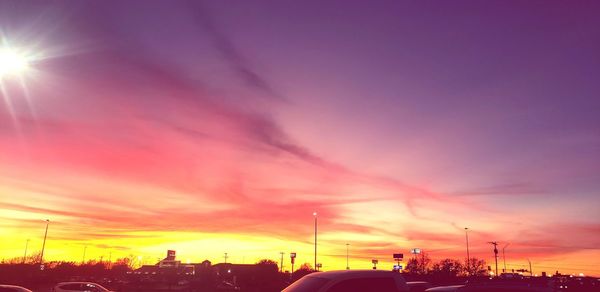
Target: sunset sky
221	126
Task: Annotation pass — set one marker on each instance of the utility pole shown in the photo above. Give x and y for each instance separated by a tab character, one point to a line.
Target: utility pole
347	263
495	244
530	270
25	254
226	257
110	260
281	266
468	263
504	256
44	243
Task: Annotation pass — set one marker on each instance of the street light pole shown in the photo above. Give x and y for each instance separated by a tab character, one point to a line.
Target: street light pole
347	265
468	263
83	258
44	243
315	214
504	256
25	254
281	267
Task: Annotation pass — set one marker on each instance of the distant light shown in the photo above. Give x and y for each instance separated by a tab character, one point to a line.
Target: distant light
581	275
314	213
535	275
12	62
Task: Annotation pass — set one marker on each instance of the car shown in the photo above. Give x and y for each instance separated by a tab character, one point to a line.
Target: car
350	280
451	288
79	287
501	286
418	286
12	288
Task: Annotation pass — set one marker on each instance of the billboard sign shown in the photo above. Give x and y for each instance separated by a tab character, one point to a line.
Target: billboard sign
415	251
398	256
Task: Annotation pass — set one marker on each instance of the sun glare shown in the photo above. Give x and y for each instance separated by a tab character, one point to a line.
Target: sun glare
12	62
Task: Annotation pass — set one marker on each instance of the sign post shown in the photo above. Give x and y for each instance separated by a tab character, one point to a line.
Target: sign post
293	259
398	257
375	262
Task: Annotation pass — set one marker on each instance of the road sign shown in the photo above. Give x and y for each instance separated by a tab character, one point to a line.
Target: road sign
375	262
415	251
292	255
398	256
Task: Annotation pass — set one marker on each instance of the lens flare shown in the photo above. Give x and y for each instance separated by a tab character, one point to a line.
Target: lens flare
12	62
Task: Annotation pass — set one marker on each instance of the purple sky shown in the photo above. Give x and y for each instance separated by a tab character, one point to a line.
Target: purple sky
490	105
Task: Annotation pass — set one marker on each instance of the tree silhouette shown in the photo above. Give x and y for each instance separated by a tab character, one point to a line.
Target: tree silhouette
32	258
419	265
302	271
266	277
447	268
267	262
476	267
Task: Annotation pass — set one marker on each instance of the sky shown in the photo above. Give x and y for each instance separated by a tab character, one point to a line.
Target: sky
218	126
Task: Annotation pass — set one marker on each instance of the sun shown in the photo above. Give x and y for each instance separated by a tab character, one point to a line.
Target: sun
12	62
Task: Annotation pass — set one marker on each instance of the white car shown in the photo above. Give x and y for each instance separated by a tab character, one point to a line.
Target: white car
12	288
350	280
79	287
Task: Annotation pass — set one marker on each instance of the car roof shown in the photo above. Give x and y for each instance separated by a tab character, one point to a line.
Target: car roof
14	286
76	282
445	288
342	274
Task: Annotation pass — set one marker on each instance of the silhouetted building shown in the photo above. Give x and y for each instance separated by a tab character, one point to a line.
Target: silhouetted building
171	266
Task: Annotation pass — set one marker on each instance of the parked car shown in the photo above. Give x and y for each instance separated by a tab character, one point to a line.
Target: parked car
451	288
350	280
12	288
79	287
418	286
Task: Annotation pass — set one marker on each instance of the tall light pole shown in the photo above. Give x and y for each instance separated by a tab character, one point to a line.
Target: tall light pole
315	215
347	248
504	255
281	266
468	263
83	258
25	254
44	243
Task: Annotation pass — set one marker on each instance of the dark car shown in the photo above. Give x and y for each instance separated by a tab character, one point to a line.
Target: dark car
350	280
